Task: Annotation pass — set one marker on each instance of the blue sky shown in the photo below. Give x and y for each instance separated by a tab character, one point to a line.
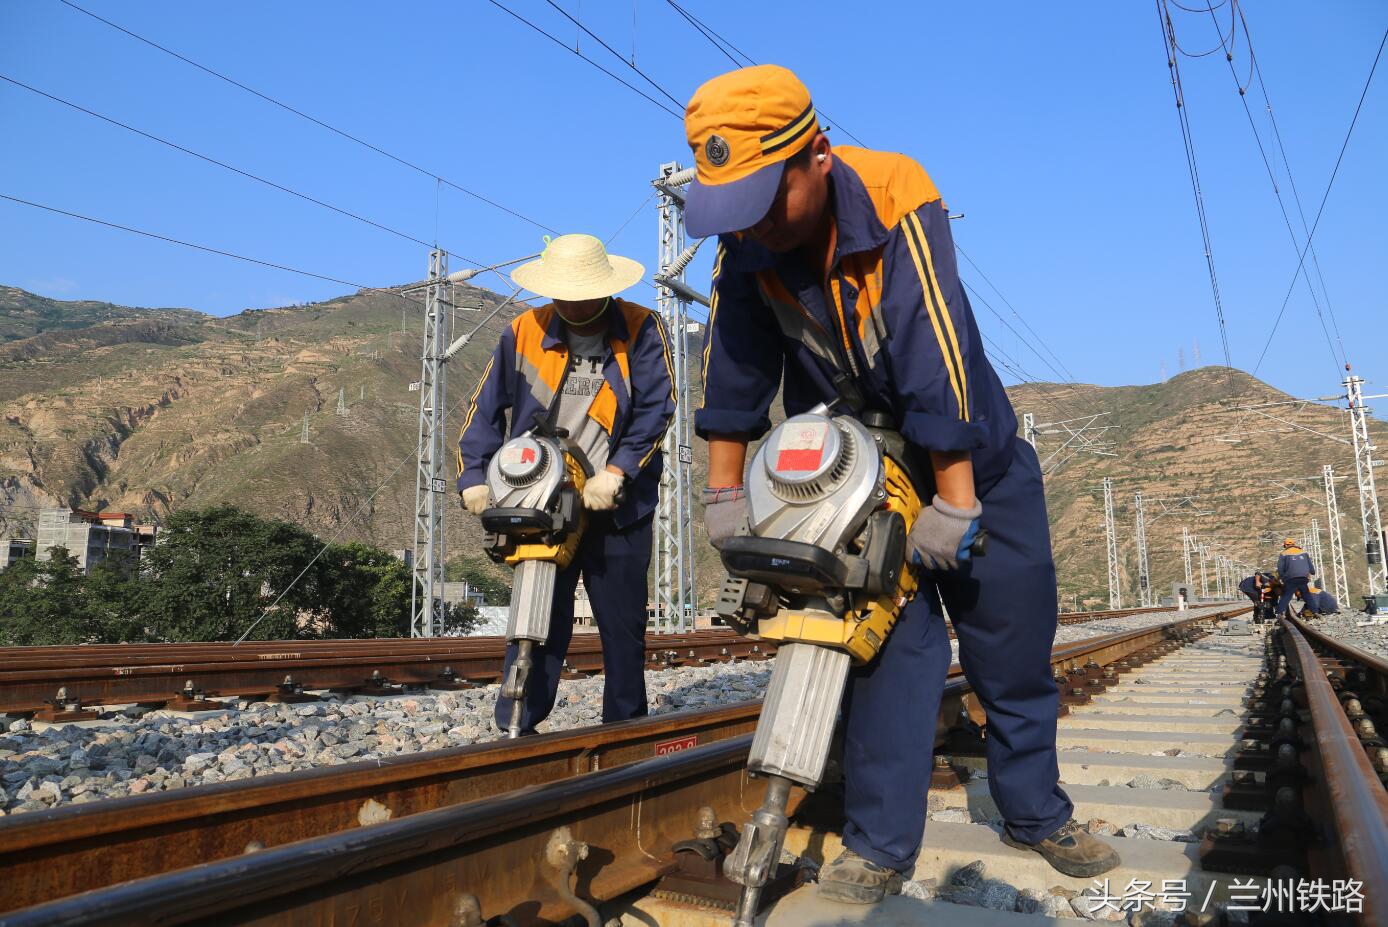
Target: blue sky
1050	126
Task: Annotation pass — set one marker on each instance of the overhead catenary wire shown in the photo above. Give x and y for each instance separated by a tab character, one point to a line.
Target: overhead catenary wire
564	45
1064	384
1173	53
1228	45
188	244
1296	195
211	250
435	175
714	38
1324	198
697	24
1008	303
631	64
233	169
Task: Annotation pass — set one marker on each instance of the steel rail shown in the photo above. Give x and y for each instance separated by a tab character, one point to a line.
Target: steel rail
52	854
104	682
1375	665
115	674
96	654
1356	797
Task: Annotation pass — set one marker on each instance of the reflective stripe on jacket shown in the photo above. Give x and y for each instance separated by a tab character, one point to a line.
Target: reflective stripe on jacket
894	317
526	372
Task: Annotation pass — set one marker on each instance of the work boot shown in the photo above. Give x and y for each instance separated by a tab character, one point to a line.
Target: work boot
855	880
1072	851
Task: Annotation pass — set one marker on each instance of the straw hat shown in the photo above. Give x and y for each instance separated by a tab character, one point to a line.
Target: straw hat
577	267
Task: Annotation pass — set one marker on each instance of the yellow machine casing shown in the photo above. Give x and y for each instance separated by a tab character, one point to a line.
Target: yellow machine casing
559	554
862	631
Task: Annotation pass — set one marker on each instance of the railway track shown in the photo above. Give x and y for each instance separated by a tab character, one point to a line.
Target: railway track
452	825
57	684
187	676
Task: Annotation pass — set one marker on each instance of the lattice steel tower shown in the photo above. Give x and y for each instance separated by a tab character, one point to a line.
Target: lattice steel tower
431	486
1144	579
1115	592
1313	547
1337	547
674	594
1187	548
1368	494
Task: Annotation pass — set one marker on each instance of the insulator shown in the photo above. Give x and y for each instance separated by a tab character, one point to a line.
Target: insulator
678	265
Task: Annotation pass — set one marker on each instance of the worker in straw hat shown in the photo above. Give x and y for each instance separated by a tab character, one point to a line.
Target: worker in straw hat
835	280
598	367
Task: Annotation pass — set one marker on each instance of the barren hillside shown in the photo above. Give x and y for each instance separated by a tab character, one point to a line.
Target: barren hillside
150	410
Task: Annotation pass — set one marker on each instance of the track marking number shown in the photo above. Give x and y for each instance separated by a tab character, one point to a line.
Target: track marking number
666	747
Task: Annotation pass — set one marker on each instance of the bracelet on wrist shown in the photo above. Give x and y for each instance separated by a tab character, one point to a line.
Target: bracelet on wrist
714	495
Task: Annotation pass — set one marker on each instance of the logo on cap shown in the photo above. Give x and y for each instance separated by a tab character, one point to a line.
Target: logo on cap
717	150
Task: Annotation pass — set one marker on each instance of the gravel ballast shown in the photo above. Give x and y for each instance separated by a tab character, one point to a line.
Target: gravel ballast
154	751
161	750
1345	627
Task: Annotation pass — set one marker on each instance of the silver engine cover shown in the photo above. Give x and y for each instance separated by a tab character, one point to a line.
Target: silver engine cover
526	473
814	480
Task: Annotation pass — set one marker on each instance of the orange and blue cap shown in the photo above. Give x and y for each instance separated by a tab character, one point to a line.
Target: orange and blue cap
742	126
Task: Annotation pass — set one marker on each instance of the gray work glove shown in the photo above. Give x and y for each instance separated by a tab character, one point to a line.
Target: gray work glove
725	511
943	534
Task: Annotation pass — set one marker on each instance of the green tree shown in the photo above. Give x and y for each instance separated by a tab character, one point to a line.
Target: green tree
215	572
114	606
363	592
41	602
483	576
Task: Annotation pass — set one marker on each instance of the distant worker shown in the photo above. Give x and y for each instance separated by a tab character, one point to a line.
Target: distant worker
1322	602
1295	569
1256	586
600	368
835	279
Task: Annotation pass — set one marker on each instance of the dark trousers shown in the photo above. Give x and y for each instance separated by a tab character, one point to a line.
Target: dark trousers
1294	584
613	563
1003	607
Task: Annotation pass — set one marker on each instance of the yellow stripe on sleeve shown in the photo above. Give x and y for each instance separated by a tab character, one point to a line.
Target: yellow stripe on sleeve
930	312
944	314
670	367
472	409
712	315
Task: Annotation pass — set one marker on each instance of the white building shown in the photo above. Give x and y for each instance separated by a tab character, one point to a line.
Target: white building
92	537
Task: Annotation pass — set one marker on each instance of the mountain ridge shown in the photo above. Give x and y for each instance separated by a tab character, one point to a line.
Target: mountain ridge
147	410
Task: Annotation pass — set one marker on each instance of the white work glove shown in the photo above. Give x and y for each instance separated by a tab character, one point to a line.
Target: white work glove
475	499
600	492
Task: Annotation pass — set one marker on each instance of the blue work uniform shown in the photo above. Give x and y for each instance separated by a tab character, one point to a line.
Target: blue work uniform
1295	568
1250	587
894	325
1323	602
525	375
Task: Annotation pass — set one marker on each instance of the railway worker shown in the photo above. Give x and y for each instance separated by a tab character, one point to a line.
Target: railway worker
599	367
1322	602
835	278
1295	569
1255	586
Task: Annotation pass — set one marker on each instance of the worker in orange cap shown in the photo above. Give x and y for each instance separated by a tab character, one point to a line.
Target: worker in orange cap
1295	569
835	279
